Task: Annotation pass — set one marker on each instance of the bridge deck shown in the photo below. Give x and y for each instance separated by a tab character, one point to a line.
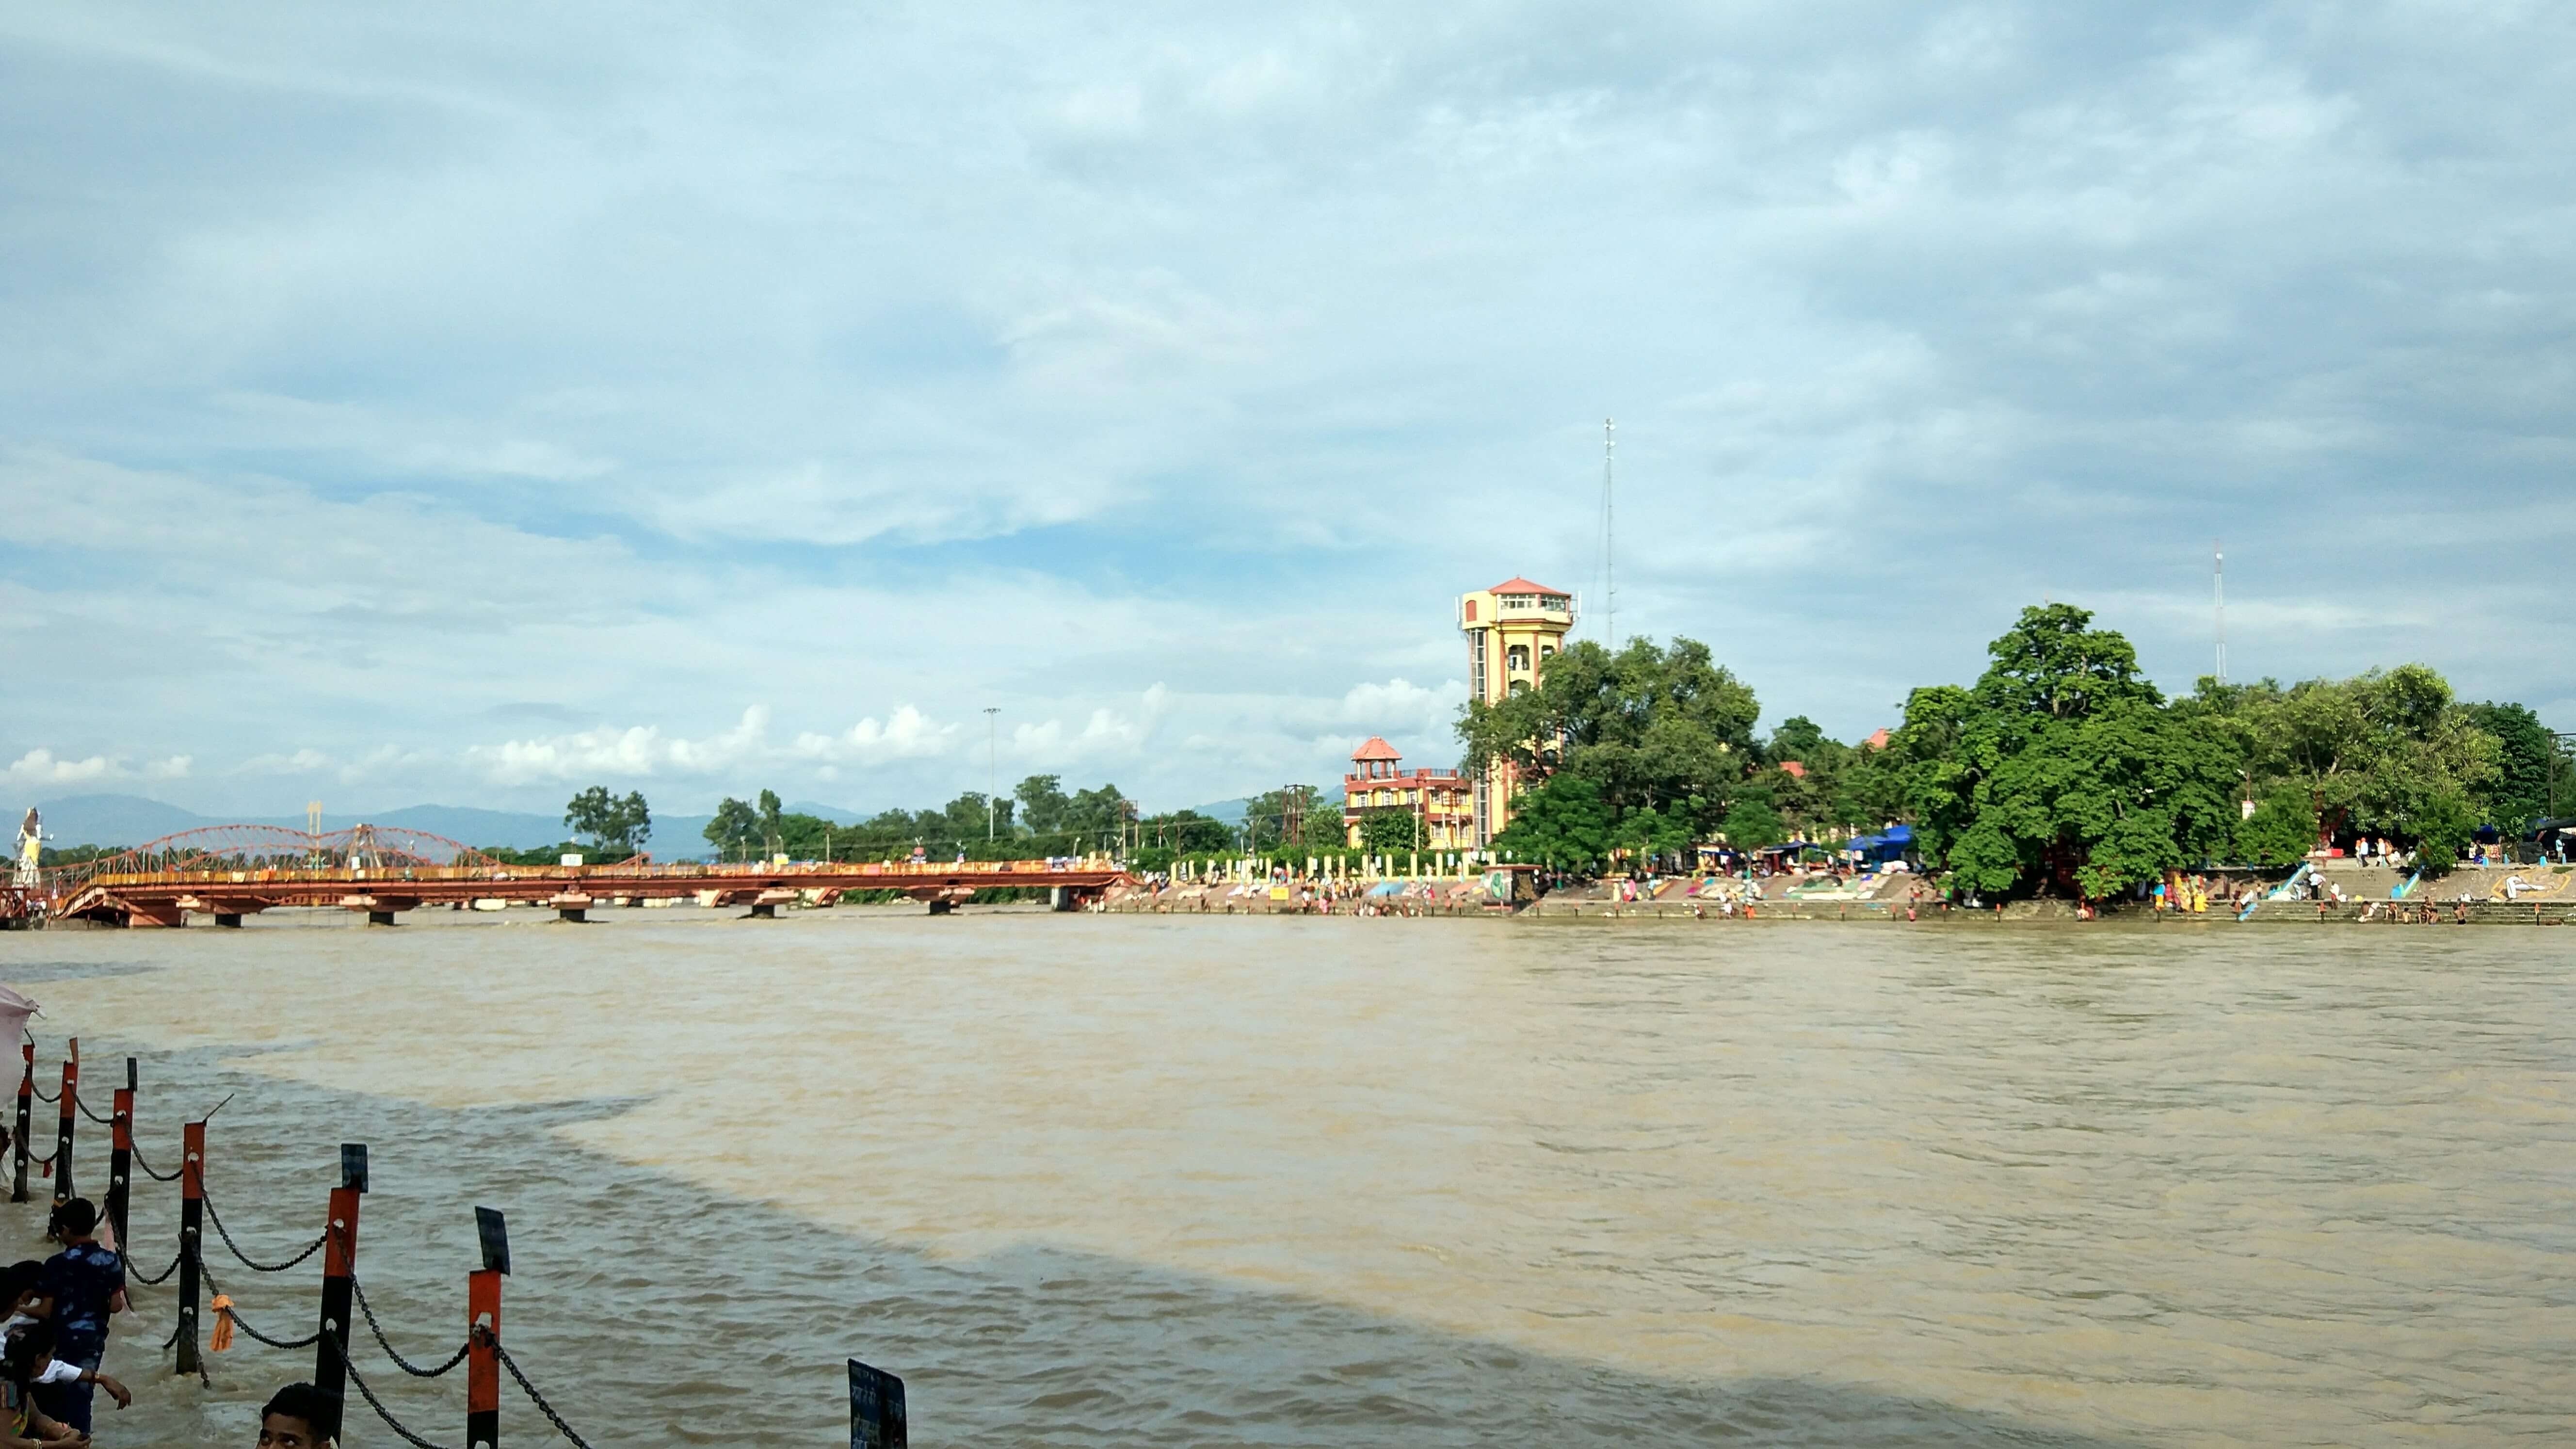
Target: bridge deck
163	897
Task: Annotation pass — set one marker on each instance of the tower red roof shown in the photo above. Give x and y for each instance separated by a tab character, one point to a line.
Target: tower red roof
1376	749
1521	586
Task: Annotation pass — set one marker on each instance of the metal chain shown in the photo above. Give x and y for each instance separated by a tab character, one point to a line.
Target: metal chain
153	1282
109	1121
538	1399
147	1167
48	1157
247	1260
375	1403
238	1322
42	1095
400	1362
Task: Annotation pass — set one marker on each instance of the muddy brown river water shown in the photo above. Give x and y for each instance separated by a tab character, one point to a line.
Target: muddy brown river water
1165	1181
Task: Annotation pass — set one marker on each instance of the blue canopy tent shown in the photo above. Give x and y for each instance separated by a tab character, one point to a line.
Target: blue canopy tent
1884	846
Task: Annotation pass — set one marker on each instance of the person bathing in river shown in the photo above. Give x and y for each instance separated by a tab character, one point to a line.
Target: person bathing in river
23	1424
86	1284
28	1311
35	1341
297	1417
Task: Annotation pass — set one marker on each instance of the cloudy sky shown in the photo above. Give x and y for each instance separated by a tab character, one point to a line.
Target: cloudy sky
469	404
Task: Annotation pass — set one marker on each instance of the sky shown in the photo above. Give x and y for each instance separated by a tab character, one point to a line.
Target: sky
470	404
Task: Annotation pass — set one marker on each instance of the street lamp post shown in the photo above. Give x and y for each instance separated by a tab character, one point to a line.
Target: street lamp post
992	765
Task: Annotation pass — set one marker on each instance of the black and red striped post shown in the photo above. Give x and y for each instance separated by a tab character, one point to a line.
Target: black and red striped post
26	1115
339	1274
483	1322
192	1216
69	1105
120	1154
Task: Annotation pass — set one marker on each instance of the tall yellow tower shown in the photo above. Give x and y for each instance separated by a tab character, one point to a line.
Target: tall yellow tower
1512	630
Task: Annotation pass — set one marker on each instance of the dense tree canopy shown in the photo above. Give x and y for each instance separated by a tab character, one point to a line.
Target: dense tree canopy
2387	753
1565	823
1649	728
2062	767
2528	756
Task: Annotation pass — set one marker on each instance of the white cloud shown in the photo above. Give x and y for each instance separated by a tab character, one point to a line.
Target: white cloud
303	762
39	767
1107	734
639	750
906	734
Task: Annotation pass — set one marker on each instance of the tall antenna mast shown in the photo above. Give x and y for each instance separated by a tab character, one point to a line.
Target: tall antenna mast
1609	518
2218	590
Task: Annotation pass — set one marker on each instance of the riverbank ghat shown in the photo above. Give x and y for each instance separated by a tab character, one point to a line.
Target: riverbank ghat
878	1412
2327	892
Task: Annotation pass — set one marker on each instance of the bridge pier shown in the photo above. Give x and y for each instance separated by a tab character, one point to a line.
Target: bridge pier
229	920
942	906
763	911
1060	898
380	918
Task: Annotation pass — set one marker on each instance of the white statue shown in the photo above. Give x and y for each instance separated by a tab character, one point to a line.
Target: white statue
31	844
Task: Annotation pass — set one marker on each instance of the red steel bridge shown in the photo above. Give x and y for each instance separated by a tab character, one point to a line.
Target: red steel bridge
229	872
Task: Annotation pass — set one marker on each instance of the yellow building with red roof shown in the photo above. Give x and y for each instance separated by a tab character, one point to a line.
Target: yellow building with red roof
1512	630
1438	799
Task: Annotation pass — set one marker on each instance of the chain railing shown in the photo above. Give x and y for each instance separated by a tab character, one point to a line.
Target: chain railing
538	1399
400	1362
147	1167
359	1381
248	1261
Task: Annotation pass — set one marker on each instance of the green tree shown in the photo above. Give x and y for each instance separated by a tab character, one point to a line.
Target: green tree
2062	767
2527	754
1798	738
1653	834
1094	817
966	820
772	820
1042	803
1753	825
610	822
2280	832
1390	830
1650	727
2388	752
2444	825
735	828
1563	822
1187	832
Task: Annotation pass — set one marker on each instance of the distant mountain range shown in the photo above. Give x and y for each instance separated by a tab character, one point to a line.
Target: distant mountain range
134	820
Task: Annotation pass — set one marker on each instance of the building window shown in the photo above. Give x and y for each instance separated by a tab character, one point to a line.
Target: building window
1520	686
1471	611
1476	649
1516	658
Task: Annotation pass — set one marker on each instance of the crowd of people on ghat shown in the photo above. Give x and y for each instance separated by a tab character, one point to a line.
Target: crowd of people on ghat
55	1341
